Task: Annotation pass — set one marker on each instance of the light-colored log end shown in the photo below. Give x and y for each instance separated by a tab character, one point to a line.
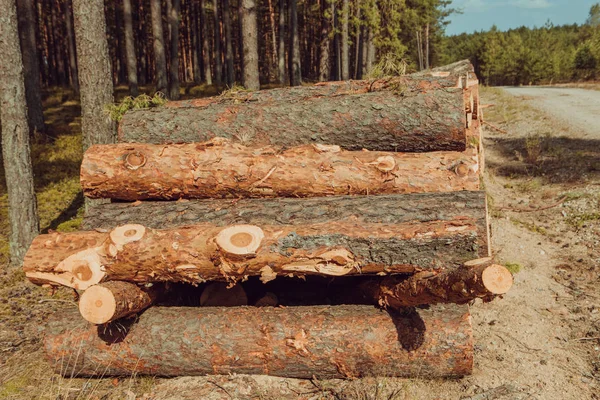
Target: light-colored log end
97	305
240	240
497	279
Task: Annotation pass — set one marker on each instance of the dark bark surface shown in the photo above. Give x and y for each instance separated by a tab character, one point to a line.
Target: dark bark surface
402	115
295	67
95	76
22	206
281	42
73	70
174	17
393	209
299	342
33	91
217	48
205	45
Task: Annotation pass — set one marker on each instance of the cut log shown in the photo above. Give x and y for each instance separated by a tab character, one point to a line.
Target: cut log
410	209
400	114
298	342
109	301
476	279
206	252
220	168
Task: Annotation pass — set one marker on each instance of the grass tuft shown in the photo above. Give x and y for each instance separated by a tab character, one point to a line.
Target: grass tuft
514	268
117	110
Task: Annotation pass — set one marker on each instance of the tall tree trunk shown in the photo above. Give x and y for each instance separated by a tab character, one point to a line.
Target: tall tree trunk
175	11
218	55
336	73
205	45
22	206
33	91
324	71
95	77
130	49
357	47
273	36
295	68
73	72
230	75
419	49
371	50
250	44
160	60
281	52
196	41
56	48
345	44
427	46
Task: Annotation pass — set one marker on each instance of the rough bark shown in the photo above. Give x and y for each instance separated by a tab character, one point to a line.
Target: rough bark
33	91
196	38
476	279
250	44
95	76
221	169
281	42
109	301
130	49
217	49
345	40
160	59
174	16
205	46
230	76
73	70
273	65
299	342
295	68
22	207
401	115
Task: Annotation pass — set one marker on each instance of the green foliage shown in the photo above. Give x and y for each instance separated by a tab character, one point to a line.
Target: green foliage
117	110
585	58
514	268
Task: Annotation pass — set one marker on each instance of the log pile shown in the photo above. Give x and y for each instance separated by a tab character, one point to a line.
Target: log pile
362	197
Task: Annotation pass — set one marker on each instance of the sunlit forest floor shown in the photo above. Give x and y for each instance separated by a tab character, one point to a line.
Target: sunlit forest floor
539	342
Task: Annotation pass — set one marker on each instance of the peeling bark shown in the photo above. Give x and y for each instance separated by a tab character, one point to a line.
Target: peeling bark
299	342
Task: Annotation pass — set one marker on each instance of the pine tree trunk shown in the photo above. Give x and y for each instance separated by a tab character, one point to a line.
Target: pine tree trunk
174	17
196	41
160	60
168	172
74	73
33	91
95	71
357	46
371	58
419	49
324	71
250	44
427	46
22	206
295	69
218	53
230	76
354	116
298	342
205	45
273	65
345	42
60	65
130	49
281	53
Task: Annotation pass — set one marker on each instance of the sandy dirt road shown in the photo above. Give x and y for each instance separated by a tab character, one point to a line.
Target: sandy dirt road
579	107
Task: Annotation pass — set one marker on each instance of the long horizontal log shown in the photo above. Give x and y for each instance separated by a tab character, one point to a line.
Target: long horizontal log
405	114
299	342
205	252
220	168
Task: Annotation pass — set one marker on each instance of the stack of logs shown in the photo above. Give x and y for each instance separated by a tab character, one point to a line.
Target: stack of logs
379	180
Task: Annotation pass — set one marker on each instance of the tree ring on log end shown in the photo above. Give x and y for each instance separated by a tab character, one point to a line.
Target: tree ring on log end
240	239
497	279
84	267
97	305
385	163
122	235
135	160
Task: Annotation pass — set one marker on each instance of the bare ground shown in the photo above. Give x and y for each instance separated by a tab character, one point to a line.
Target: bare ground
542	341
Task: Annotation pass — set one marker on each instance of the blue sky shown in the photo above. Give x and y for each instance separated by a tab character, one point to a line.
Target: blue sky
505	14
